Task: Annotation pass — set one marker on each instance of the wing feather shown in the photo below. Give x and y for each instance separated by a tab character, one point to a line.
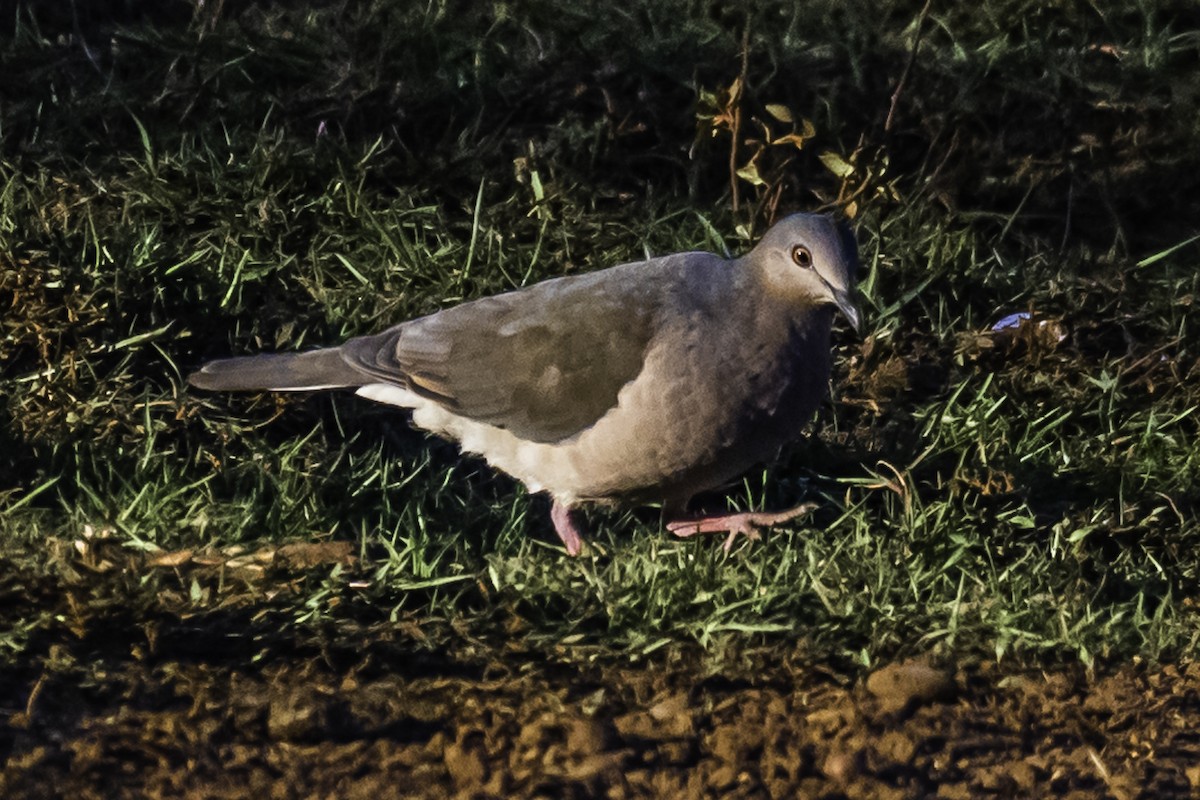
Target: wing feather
544	362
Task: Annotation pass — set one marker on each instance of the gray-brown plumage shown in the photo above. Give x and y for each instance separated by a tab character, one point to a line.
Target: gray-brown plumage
649	381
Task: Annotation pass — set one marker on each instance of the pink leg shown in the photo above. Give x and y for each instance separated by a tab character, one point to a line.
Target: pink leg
745	523
566	525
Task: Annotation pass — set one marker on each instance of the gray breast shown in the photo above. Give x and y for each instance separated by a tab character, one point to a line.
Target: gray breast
717	414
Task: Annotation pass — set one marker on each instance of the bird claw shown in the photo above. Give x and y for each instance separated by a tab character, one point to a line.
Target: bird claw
567	526
746	523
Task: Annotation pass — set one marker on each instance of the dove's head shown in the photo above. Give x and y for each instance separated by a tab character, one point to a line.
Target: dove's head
813	259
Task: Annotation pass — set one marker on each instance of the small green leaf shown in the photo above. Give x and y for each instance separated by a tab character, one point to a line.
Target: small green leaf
779	112
734	91
535	180
1080	534
750	173
836	164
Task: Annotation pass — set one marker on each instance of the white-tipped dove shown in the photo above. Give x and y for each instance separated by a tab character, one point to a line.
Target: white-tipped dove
645	382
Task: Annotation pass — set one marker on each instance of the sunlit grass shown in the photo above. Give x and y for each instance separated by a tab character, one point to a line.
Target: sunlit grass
214	186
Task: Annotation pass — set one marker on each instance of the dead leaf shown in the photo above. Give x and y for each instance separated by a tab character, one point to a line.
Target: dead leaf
173	558
302	555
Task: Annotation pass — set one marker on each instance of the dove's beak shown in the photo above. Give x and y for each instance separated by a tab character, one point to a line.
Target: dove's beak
845	303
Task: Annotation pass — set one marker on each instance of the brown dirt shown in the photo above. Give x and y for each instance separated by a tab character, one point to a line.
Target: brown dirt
312	728
122	700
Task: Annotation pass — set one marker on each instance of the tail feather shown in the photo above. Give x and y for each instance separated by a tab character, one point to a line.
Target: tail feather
281	372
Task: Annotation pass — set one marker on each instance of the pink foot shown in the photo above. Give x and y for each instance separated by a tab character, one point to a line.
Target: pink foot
566	525
745	523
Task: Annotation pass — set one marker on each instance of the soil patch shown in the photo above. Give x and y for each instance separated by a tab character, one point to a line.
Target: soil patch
387	719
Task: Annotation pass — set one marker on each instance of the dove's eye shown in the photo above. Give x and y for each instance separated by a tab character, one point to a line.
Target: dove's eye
802	256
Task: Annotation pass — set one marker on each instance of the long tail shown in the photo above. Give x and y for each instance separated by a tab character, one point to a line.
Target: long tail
281	372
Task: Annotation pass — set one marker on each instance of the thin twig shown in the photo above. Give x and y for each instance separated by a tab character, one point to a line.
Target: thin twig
912	58
736	131
34	693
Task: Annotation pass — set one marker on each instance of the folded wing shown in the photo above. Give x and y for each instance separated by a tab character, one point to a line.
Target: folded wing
544	363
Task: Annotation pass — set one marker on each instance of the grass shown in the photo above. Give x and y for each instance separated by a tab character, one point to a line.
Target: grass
183	183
